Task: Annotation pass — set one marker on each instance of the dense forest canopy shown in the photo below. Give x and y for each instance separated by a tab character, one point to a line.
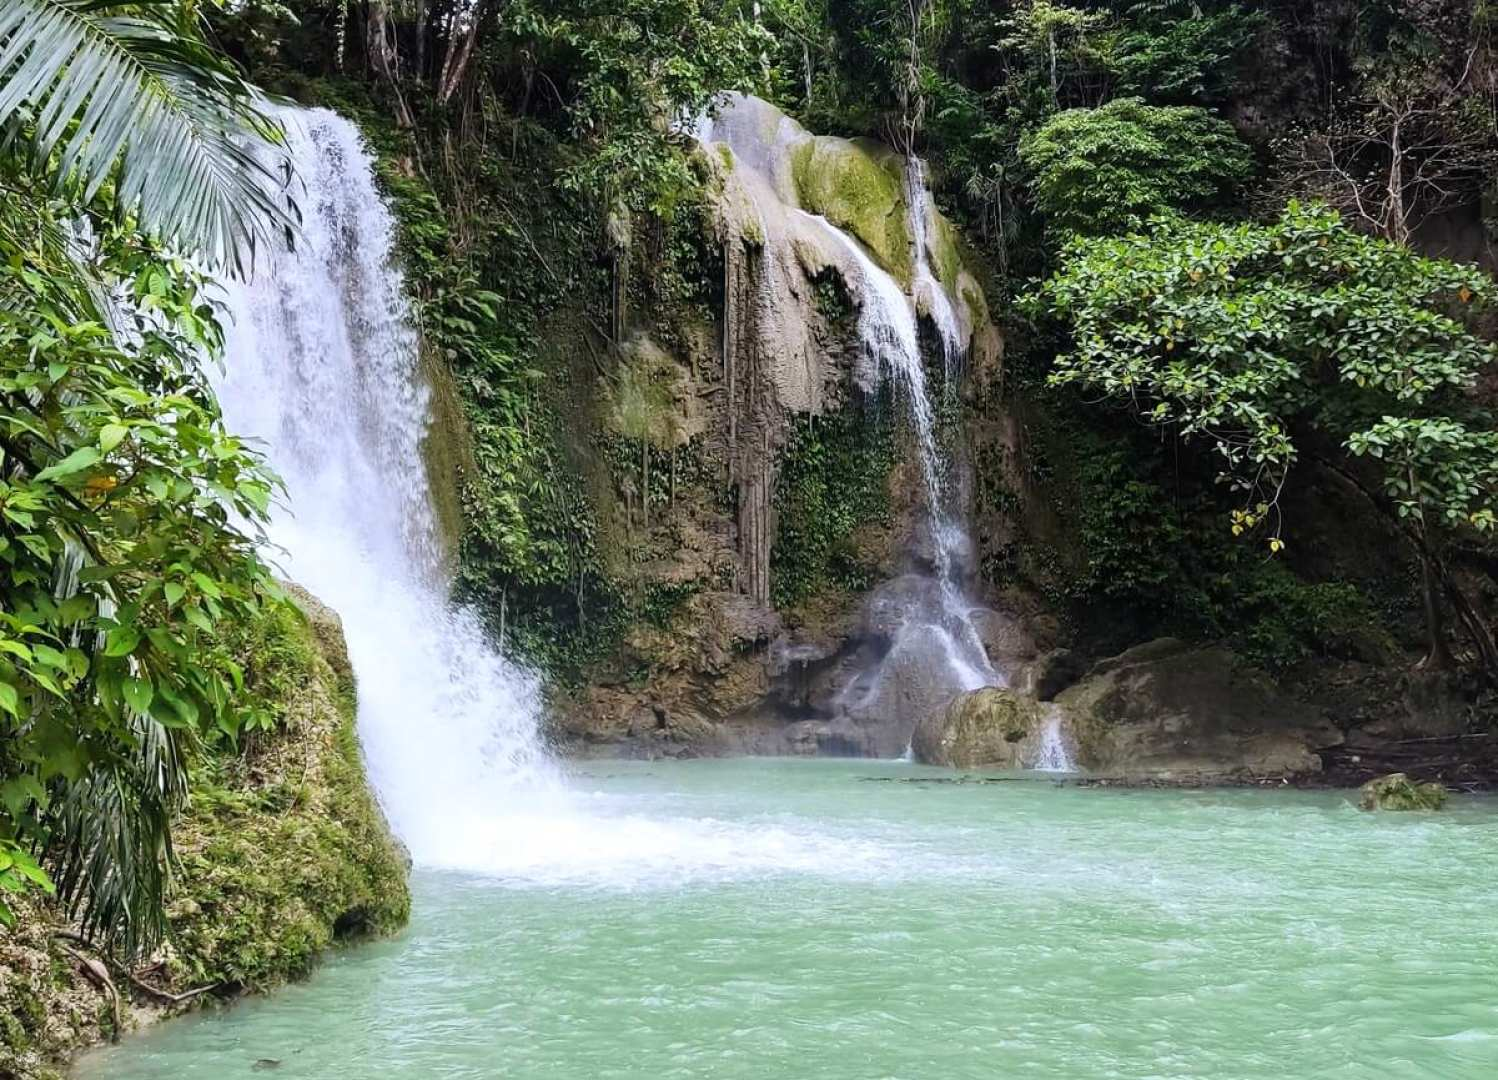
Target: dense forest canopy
1231	224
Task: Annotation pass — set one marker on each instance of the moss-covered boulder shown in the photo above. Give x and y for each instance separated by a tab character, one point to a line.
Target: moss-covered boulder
1398	792
991	726
283	848
1169	710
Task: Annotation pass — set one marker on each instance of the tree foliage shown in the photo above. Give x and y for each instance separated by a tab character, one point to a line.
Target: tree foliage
128	514
1109	168
636	69
1269	342
130	95
1252	336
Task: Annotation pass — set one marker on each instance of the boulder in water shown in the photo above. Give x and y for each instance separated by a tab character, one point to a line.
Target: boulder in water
991	726
1398	792
1173	711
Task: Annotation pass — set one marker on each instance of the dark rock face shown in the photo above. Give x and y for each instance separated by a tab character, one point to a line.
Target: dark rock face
1050	673
991	726
1169	710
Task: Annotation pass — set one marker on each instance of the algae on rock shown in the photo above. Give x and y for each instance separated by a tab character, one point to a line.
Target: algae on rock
283	848
991	726
1398	792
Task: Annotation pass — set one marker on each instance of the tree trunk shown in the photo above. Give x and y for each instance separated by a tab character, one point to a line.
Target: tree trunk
420	67
459	53
1398	224
1472	621
384	59
1055	82
1439	657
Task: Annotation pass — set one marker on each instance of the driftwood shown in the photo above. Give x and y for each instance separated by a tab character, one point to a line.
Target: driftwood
98	974
166	997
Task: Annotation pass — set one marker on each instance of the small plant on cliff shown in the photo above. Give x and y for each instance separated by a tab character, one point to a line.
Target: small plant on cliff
1293	340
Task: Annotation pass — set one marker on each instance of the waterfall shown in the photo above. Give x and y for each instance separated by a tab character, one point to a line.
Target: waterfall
929	293
888	334
322	367
1054	756
925	617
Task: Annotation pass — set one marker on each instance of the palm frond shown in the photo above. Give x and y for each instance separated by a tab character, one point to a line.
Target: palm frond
118	92
109	842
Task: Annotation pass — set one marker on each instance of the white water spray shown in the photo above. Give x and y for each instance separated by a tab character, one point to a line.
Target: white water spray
929	293
1054	756
322	365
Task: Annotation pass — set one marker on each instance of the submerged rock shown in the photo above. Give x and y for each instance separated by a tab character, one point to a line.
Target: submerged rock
1398	792
1170	710
991	726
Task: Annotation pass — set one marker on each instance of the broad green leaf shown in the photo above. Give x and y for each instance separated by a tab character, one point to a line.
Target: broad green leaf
138	693
77	461
121	641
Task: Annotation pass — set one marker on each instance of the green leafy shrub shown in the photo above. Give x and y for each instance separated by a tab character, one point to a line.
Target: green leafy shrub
1109	168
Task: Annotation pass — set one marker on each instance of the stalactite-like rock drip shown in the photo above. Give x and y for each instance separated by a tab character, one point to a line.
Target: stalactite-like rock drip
772	365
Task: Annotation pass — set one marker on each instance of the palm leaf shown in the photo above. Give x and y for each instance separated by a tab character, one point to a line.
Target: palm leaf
110	842
122	93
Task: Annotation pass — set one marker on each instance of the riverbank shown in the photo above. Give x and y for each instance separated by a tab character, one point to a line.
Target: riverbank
282	854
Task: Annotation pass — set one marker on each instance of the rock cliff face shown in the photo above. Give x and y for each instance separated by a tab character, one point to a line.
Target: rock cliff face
780	188
818	240
283	852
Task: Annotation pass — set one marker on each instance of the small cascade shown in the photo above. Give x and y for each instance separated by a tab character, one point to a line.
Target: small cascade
934	649
887	330
322	367
1054	756
930	294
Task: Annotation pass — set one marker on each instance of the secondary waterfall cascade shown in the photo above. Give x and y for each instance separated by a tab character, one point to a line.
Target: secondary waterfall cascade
322	365
935	648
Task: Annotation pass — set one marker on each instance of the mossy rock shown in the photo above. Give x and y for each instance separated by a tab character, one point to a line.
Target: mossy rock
858	185
991	726
1398	792
283	848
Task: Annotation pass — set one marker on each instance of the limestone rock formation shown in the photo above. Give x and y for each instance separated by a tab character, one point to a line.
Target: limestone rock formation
1167	709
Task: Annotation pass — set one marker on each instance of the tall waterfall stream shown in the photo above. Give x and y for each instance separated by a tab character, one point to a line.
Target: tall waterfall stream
777	920
322	366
